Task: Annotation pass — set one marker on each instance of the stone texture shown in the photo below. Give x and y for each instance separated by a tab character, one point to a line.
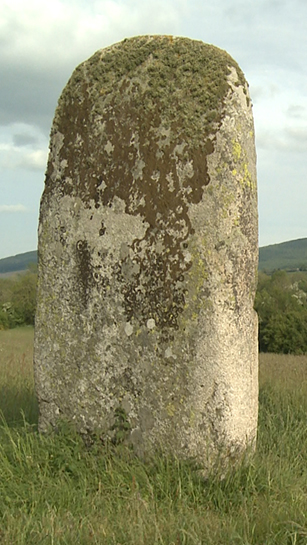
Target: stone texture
148	252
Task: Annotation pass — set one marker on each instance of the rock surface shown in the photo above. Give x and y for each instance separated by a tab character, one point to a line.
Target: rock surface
148	252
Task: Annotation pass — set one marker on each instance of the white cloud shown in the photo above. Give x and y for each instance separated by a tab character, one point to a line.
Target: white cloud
297	138
61	32
12	208
34	160
42	42
286	139
12	157
296	111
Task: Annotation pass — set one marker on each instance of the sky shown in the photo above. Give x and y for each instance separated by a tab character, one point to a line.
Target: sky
41	42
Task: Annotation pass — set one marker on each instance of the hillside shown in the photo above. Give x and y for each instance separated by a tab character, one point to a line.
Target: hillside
291	255
17	263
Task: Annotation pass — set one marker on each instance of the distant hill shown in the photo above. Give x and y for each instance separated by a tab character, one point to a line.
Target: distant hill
289	256
17	263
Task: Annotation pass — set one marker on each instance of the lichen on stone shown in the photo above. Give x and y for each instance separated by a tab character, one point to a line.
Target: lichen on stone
148	247
163	101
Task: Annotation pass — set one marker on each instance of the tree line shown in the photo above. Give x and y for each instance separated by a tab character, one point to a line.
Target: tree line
281	304
18	299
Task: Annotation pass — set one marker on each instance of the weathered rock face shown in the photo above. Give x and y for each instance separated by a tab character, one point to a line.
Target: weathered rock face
148	251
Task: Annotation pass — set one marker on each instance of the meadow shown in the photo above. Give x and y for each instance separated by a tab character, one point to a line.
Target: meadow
55	490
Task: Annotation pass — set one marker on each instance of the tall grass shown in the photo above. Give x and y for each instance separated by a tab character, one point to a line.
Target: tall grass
55	490
16	376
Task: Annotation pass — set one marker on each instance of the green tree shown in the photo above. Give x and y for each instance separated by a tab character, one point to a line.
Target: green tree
24	299
282	312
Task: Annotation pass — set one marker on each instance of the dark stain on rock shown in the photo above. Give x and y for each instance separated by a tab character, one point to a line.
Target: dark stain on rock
83	258
102	229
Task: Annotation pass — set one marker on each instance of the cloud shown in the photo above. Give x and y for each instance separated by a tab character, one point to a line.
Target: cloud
22	146
12	157
24	139
42	42
286	139
296	138
46	36
265	92
35	160
12	208
296	111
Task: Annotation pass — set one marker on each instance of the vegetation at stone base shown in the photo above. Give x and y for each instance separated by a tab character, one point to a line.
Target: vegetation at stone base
18	299
56	490
16	376
281	303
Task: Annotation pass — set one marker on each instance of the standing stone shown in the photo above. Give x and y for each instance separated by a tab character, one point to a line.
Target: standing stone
148	252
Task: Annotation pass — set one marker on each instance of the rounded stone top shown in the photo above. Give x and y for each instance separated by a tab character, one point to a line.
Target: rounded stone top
170	92
186	80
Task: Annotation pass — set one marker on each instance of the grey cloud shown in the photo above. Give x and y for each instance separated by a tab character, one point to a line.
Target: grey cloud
296	111
253	14
297	138
259	92
28	95
263	34
35	70
24	139
31	83
287	139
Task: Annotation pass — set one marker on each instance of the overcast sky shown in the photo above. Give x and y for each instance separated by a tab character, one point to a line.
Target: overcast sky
41	42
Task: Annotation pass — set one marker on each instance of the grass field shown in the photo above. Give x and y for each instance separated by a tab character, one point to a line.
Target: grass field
54	490
16	376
